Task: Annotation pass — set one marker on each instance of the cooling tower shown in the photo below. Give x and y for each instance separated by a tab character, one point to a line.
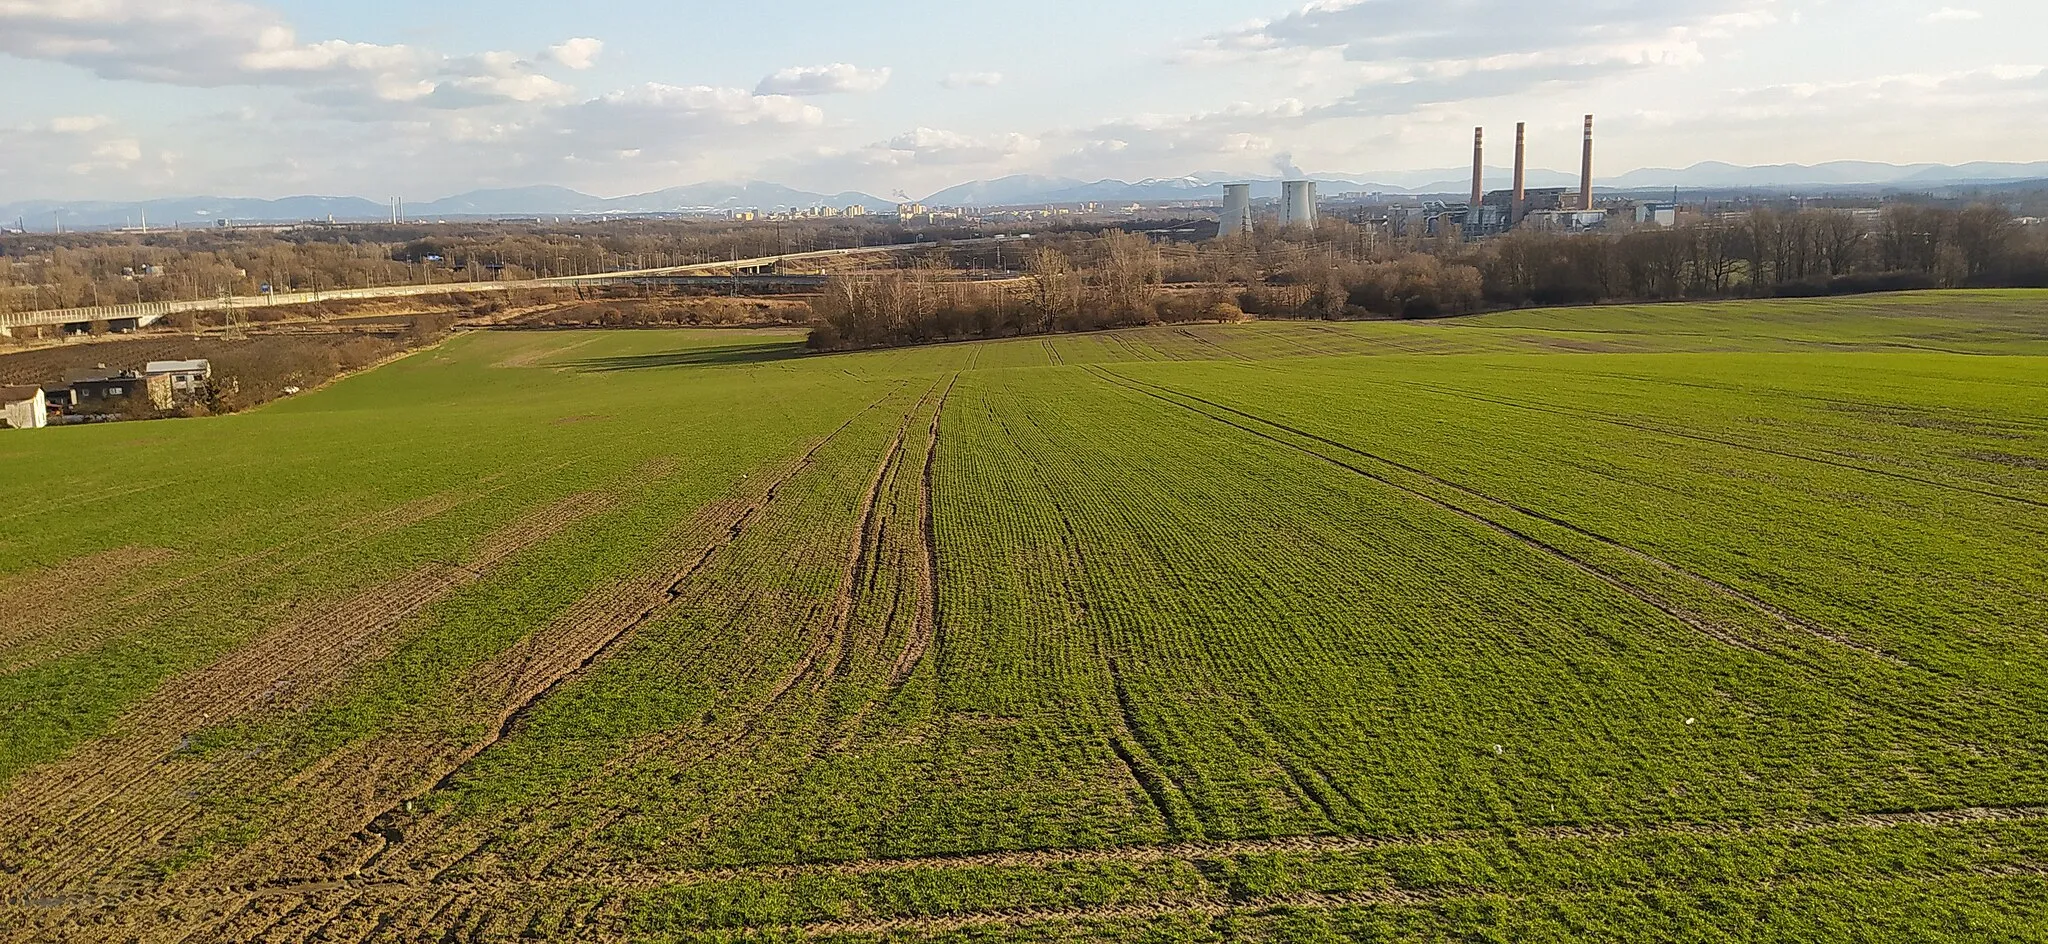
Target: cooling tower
1237	211
1298	203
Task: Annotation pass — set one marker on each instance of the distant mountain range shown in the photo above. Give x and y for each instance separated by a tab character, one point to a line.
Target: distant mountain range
1005	191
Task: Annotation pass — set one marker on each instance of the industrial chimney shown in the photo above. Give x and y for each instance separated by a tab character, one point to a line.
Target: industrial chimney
1586	170
1472	213
1298	203
1478	166
1521	204
1237	211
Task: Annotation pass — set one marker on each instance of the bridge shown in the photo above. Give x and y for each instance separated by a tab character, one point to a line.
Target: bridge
737	280
131	317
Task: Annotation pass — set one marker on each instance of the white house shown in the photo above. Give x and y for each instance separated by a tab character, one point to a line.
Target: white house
23	408
187	377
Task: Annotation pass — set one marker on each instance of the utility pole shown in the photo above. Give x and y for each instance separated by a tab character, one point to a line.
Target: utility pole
231	319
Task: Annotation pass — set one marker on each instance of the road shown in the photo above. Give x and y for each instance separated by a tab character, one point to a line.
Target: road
151	312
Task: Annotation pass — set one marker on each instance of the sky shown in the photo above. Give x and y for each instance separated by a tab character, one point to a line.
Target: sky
132	99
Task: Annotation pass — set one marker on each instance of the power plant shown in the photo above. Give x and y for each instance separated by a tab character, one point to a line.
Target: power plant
1482	215
1298	203
1491	214
1237	211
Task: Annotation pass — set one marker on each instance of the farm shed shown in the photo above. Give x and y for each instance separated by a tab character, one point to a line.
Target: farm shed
23	408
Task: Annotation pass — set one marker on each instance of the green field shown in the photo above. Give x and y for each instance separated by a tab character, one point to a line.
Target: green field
1688	623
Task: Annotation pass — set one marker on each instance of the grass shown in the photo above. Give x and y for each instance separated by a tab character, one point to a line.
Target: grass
1686	622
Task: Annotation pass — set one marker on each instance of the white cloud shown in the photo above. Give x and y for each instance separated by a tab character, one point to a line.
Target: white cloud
1952	15
926	159
665	120
81	148
78	124
1406	54
491	78
579	53
934	146
961	80
204	43
218	43
835	79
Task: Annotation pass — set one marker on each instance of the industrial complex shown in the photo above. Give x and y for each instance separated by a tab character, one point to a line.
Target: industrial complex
1484	214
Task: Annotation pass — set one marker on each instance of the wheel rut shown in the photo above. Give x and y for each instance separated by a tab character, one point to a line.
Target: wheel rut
545	679
1189	851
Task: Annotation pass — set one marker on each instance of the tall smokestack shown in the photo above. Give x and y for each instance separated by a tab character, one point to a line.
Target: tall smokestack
1586	170
1478	166
1472	212
1521	172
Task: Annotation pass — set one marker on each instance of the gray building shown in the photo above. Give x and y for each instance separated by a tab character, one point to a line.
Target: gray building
188	378
90	388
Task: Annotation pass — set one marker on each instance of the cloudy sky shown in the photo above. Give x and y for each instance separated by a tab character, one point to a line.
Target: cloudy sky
125	99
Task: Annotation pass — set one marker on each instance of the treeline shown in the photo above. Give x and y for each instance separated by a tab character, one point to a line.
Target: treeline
1116	279
1070	284
1814	252
1343	271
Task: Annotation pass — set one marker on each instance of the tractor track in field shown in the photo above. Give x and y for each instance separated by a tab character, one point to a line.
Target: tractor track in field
743	728
108	796
1703	624
1697	623
292	888
862	568
926	627
1208	344
1771	611
1128	741
544	673
1192	907
1656	430
1782	616
1223	905
366	776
